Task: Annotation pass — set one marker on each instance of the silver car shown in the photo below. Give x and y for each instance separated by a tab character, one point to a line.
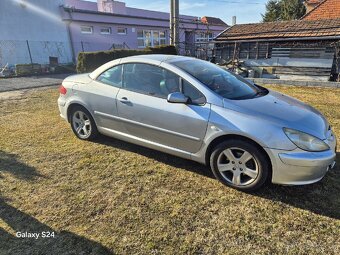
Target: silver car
196	110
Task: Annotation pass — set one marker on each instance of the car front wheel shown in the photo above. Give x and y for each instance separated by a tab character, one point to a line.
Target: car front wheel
240	165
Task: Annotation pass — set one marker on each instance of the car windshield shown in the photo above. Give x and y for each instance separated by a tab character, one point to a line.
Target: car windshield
219	80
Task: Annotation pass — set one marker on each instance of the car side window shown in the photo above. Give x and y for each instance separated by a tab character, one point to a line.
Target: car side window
195	95
112	76
150	80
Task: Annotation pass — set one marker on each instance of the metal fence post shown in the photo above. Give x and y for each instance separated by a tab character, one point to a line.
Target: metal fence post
29	51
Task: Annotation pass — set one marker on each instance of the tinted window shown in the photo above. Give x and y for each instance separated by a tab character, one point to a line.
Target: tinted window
112	76
218	80
195	96
150	80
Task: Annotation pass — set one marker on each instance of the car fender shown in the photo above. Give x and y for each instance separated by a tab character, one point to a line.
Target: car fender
77	100
267	133
226	122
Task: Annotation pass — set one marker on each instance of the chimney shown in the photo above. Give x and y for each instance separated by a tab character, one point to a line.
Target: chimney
111	6
105	5
233	23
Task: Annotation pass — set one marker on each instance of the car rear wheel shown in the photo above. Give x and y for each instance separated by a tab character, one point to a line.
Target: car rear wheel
82	124
240	165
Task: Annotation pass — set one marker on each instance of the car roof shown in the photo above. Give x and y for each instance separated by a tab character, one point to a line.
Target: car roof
155	57
150	58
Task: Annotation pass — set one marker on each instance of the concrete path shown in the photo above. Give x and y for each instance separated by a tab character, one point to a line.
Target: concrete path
262	81
10	84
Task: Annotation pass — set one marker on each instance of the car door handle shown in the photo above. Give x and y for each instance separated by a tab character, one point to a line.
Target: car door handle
124	100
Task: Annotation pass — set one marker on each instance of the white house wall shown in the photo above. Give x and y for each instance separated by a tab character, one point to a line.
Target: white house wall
38	22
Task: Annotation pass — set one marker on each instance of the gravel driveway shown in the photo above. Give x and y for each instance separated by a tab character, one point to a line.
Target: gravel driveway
10	84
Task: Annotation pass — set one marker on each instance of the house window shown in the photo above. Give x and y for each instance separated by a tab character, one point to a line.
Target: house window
105	30
86	30
204	37
150	38
122	31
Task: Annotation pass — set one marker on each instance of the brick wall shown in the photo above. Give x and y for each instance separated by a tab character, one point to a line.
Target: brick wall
329	9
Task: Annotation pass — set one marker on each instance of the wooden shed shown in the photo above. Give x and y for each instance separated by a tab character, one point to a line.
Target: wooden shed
299	49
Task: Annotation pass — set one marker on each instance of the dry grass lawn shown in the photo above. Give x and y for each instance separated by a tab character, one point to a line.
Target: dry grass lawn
111	197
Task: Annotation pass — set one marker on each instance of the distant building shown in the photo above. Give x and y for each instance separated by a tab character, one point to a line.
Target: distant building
111	24
322	9
213	21
55	31
32	30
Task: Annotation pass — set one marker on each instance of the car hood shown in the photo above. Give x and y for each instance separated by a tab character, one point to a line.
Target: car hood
284	111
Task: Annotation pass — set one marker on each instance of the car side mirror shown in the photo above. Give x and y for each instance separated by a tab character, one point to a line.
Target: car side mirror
178	98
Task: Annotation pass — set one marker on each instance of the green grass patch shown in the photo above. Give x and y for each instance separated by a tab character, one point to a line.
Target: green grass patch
114	197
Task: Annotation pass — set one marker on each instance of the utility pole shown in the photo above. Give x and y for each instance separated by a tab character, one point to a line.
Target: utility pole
174	23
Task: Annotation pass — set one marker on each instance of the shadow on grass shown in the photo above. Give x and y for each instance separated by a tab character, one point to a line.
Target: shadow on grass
165	158
64	242
321	198
10	163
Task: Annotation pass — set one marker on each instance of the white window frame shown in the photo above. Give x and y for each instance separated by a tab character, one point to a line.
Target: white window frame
120	33
152	39
204	36
106	28
86	32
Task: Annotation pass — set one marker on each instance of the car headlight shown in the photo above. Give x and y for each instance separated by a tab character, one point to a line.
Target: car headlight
305	141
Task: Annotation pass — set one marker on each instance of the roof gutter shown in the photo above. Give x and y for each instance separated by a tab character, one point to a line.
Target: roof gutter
282	39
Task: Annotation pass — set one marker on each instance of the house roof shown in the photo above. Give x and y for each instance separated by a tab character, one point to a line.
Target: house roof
296	29
213	21
183	18
326	9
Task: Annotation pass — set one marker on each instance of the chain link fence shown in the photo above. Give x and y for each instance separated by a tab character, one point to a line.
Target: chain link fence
51	53
204	51
27	52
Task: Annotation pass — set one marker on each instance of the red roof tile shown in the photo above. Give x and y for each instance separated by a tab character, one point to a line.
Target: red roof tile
282	30
213	21
327	9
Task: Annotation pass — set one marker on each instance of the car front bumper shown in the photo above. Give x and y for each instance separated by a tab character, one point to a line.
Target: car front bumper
300	167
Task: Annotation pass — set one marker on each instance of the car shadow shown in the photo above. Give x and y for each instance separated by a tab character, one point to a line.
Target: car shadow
162	157
321	198
18	221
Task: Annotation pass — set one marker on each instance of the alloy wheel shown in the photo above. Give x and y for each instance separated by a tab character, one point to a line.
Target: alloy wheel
81	124
237	166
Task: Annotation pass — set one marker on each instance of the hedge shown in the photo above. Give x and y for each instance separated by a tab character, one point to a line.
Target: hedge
27	69
89	61
69	68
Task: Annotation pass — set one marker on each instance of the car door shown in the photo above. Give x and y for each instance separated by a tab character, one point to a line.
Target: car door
103	98
143	107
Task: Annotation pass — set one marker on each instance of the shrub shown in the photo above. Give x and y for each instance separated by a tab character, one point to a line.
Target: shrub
69	68
27	69
89	61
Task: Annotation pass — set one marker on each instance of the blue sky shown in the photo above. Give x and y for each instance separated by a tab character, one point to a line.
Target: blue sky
247	11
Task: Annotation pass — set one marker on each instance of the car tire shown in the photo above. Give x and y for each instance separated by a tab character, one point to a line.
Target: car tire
82	124
240	164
